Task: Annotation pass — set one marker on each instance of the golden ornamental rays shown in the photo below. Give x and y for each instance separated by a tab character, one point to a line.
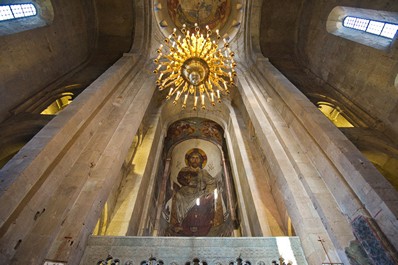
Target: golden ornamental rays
194	69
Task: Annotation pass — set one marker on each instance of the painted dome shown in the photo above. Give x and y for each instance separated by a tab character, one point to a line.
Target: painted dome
213	13
224	15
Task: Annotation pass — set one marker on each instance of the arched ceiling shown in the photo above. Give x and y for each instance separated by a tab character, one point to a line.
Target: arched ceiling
87	39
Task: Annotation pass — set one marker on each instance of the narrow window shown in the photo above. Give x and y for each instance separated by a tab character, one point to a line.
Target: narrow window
372	28
17	16
8	12
334	114
378	28
59	104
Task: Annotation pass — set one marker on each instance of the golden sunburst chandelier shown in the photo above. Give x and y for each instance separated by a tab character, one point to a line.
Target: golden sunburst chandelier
193	66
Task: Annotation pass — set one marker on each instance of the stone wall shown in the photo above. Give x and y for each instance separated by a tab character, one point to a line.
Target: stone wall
31	58
83	40
55	188
360	78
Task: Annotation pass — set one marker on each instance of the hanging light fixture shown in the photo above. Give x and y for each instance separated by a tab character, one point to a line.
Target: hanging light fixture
194	68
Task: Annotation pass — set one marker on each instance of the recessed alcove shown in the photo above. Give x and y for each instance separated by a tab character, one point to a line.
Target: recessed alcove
170	139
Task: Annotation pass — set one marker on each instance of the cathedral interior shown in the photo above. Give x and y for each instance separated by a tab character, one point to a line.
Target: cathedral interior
285	154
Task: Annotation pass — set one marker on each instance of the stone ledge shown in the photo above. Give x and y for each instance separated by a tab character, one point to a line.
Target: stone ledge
179	250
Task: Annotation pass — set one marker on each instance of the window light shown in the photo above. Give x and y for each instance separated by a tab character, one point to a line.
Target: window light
373	28
380	28
16	11
389	30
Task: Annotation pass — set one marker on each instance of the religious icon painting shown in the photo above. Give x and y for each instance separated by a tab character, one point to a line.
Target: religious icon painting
196	203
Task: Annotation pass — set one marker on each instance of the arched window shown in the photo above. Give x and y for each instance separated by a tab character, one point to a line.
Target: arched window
378	28
372	28
59	104
334	114
19	15
17	11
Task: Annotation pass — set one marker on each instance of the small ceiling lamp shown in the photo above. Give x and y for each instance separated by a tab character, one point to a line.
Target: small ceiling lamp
193	66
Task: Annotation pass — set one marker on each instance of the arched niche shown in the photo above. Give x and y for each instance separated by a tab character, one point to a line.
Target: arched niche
220	113
196	197
143	216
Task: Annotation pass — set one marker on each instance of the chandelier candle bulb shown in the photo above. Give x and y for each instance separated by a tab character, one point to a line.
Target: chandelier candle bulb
157	69
178	95
185	99
158	58
225	86
184	105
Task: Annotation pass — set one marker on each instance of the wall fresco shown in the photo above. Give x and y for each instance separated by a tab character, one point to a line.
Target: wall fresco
194	128
195	201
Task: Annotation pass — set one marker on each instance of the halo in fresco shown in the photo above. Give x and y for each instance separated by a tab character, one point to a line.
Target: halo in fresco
201	152
214	13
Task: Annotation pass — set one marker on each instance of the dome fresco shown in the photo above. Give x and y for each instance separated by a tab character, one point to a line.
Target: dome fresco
224	15
213	13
